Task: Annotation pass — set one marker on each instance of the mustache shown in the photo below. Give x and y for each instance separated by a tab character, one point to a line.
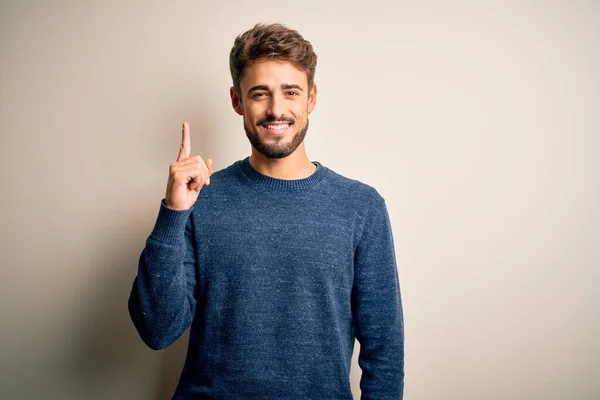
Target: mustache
269	120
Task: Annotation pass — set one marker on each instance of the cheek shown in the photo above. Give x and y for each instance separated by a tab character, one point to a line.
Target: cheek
299	111
253	112
247	117
301	115
249	114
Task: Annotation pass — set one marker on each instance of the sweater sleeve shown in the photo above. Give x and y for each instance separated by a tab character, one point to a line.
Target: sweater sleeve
377	309
162	301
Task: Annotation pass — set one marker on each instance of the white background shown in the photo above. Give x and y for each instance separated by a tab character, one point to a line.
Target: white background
478	121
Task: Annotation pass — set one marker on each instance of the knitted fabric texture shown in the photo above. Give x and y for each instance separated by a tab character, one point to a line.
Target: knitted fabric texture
276	279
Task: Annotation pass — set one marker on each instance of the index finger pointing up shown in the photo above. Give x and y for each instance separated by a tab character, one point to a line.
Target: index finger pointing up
186	142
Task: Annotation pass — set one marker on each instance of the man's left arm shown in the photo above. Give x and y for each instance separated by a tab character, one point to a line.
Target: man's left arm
377	309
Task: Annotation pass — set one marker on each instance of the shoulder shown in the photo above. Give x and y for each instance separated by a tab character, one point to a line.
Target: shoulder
363	201
223	185
224	173
223	179
363	195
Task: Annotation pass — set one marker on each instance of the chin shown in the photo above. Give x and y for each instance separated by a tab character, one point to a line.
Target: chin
261	141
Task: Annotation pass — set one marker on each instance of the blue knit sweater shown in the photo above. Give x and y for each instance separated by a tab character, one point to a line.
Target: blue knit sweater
276	278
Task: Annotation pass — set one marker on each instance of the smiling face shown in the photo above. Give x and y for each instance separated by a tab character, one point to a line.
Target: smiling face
275	102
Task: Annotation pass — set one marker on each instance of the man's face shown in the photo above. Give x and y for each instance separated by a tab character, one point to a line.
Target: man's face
275	102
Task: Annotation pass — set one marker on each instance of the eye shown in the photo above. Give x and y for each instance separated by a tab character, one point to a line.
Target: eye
258	95
294	93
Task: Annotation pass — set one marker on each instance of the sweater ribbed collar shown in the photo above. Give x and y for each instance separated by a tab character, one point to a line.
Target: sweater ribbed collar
283	184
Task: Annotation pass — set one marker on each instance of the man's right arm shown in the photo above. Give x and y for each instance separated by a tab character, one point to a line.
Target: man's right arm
162	301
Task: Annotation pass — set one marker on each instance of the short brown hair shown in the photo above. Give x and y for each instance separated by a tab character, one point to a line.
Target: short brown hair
271	40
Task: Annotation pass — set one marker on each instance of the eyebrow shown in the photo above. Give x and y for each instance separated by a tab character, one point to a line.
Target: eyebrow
283	86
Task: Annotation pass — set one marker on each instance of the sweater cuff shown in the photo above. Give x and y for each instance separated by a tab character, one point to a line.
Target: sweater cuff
170	224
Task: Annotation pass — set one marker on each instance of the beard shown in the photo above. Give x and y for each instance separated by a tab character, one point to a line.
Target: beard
277	149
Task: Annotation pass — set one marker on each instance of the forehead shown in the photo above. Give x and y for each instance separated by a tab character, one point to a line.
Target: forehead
273	73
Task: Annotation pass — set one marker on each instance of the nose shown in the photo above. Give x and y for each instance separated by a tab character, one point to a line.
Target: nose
275	106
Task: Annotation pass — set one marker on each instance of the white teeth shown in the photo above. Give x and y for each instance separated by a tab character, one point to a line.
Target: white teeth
277	127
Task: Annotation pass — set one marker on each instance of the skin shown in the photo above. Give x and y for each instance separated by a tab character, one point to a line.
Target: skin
187	175
271	91
283	95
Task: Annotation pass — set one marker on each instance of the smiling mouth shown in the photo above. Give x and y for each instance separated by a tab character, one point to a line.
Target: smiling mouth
276	128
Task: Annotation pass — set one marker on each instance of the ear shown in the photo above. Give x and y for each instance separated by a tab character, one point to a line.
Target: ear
236	101
312	98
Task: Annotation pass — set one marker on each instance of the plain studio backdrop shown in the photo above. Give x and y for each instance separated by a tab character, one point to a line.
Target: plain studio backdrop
478	121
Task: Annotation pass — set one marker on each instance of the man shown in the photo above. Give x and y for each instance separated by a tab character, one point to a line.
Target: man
277	263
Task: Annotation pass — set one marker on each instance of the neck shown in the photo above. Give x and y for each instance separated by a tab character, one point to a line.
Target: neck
295	166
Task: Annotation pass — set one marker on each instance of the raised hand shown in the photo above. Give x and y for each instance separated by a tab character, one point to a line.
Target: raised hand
187	175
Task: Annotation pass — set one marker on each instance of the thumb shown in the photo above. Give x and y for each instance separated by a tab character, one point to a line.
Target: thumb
208	163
